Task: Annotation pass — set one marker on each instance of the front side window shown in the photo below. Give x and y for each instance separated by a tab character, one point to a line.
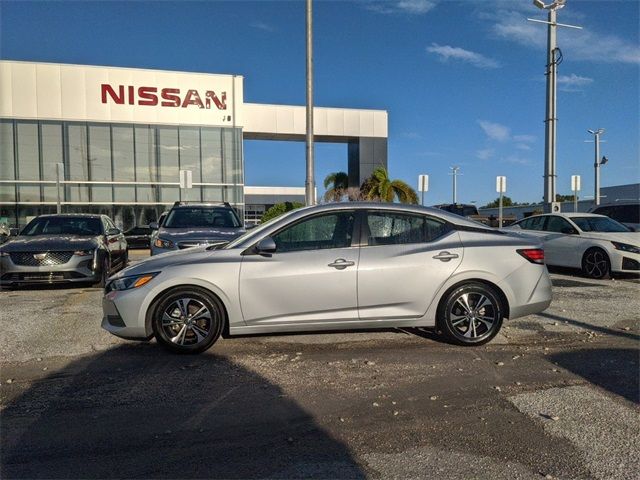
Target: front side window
201	217
557	225
389	228
320	232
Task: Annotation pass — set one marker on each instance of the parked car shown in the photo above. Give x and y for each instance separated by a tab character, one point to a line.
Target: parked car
594	243
334	266
4	233
627	213
70	248
468	211
138	237
194	224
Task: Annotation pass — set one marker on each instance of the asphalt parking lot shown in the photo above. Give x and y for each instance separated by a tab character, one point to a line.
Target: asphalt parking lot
556	395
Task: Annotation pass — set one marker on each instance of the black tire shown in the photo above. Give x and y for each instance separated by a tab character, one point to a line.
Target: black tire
104	272
190	332
596	263
465	320
125	260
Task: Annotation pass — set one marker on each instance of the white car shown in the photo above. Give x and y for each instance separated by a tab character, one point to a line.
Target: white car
594	243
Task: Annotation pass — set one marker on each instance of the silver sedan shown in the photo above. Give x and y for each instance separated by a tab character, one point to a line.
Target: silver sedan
330	267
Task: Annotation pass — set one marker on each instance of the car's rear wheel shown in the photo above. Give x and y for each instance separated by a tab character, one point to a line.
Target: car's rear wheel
104	272
188	320
471	314
596	263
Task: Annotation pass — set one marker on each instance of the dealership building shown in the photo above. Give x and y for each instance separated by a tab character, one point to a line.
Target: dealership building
113	140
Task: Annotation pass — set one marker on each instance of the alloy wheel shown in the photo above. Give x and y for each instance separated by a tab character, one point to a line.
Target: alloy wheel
473	315
186	321
596	264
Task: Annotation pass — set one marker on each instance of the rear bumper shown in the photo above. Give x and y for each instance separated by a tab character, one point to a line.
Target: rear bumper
527	301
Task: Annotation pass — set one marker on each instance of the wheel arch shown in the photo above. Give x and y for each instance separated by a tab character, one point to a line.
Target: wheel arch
503	297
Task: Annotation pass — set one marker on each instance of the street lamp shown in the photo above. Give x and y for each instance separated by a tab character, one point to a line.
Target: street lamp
455	171
554	58
309	184
597	161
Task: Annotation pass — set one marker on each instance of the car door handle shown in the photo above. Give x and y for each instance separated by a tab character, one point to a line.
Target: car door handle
445	256
341	264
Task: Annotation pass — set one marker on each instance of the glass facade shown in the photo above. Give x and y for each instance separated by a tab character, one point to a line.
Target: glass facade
127	171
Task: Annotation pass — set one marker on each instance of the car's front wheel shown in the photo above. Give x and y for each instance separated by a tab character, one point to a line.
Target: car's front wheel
471	314
188	320
596	263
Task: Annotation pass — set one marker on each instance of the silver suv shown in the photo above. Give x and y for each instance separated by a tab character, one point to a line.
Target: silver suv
195	224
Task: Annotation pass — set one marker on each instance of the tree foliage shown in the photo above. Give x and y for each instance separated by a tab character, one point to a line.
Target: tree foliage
506	202
379	187
278	209
337	184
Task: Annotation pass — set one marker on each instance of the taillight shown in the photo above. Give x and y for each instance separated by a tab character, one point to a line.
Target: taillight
534	255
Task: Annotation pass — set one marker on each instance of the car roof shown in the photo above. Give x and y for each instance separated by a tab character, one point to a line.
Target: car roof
191	205
633	203
72	215
398	207
566	215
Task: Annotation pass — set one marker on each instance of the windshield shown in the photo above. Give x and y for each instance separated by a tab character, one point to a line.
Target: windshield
63	226
201	217
598	224
255	232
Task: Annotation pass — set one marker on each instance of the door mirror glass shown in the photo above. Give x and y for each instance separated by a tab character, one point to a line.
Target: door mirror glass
266	246
113	231
568	230
153	225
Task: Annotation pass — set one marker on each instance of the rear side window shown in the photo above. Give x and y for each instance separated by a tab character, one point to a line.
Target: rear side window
389	228
532	223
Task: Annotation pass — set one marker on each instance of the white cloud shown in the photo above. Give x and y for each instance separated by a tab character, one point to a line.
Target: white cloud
587	44
495	131
485	153
262	26
447	52
522	146
524	138
573	82
517	160
412	7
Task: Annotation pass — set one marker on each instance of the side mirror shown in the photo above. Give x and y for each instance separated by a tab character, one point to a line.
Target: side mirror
153	226
631	229
250	226
14	231
113	231
568	231
266	247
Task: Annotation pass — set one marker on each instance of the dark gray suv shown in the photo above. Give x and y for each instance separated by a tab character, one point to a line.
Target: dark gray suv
69	248
195	224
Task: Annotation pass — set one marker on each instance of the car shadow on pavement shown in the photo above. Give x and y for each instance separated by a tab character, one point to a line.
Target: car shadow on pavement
137	411
590	326
615	370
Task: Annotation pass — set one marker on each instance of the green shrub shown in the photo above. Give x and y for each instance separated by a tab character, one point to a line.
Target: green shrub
278	209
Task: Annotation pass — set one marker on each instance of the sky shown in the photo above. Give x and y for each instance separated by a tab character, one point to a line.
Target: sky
462	81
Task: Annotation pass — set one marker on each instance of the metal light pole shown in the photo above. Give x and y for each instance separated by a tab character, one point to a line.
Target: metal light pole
423	186
597	161
309	184
575	186
554	58
455	171
501	187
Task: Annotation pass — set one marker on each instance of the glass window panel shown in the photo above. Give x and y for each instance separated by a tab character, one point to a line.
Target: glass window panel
146	171
77	167
51	193
169	154
7	193
169	194
100	162
28	193
7	170
28	151
323	231
51	138
212	194
124	194
211	155
231	171
123	155
190	160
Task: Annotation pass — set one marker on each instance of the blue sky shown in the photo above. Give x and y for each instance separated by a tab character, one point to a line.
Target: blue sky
462	81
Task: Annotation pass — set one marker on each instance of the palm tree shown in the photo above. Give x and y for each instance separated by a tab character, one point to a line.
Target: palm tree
381	188
336	184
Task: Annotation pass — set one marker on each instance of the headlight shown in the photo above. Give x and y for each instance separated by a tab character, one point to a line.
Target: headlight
4	254
127	283
83	253
625	247
161	243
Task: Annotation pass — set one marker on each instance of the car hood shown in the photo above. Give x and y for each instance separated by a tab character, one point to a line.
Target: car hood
43	243
186	234
632	238
158	263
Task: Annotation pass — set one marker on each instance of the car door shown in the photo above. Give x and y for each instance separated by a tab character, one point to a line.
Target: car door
404	262
311	277
560	246
116	244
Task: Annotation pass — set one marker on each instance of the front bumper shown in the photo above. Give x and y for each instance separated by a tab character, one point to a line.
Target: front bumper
113	322
78	269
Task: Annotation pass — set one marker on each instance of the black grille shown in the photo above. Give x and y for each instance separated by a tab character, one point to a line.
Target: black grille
630	264
40	276
40	259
